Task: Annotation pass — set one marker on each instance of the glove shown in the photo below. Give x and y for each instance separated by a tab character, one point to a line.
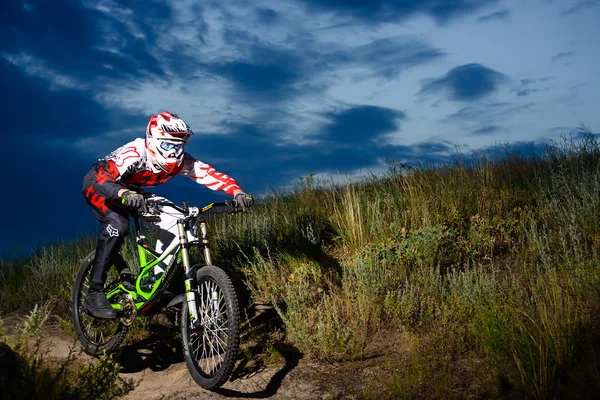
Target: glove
243	200
133	200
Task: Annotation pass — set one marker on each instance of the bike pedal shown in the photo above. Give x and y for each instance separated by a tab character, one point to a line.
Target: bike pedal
128	285
126	273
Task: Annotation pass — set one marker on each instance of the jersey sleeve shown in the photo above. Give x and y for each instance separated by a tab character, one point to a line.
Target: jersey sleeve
111	167
208	176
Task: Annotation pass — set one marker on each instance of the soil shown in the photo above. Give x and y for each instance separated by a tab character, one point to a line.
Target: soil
157	364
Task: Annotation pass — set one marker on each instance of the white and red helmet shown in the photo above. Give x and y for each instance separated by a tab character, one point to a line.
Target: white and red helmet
166	137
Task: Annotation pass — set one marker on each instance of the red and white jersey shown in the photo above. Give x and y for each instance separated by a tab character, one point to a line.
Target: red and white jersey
129	165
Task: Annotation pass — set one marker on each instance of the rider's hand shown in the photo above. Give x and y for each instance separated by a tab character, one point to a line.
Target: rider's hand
243	200
134	200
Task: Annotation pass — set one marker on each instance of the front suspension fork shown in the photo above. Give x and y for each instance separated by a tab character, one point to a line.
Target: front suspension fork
190	280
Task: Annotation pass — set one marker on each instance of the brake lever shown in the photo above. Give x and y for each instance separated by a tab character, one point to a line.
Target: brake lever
151	207
232	207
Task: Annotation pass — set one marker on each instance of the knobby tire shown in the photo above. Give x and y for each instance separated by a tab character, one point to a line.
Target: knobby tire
87	327
211	350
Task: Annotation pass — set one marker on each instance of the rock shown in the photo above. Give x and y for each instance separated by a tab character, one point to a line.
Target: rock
8	361
9	371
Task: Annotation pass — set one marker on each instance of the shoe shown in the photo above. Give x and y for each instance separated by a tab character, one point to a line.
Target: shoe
97	304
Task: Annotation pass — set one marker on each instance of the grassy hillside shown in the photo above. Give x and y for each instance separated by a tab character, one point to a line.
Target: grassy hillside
489	272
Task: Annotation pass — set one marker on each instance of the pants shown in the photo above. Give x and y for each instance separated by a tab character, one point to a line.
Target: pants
114	219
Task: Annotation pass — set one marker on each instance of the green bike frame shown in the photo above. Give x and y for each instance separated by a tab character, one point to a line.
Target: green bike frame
143	297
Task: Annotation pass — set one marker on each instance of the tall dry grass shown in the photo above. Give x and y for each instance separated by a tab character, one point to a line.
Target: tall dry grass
489	265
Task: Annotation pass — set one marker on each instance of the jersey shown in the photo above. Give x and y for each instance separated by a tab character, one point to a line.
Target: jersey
129	165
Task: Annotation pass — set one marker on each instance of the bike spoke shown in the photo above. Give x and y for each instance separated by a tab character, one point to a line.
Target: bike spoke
196	346
219	341
98	331
210	346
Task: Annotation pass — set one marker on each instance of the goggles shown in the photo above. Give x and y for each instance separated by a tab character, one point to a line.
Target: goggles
171	146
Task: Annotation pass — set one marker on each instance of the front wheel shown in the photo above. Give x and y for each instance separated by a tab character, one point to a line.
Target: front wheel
96	336
211	346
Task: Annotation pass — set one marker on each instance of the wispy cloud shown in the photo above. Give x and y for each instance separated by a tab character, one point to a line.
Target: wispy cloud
528	86
487	130
386	11
562	55
385	57
497	16
48	112
580	6
483	115
36	67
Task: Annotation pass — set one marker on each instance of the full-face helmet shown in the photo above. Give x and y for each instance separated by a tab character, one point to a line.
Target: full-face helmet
166	137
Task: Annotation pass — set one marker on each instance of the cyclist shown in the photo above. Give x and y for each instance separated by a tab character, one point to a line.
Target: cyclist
112	188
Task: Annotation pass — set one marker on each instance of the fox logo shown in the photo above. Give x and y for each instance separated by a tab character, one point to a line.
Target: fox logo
112	231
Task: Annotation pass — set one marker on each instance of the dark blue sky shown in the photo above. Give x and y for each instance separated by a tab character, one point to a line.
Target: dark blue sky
276	90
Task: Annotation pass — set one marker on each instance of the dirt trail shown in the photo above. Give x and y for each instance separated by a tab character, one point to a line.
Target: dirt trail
157	364
161	371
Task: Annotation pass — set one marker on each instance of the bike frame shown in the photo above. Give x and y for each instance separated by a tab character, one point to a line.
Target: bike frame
179	249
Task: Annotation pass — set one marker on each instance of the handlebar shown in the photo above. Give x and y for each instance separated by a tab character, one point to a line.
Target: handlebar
187	210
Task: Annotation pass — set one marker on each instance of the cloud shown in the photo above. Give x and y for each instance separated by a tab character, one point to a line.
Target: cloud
265	72
354	139
37	68
497	16
44	112
468	82
360	125
580	6
267	16
562	55
269	79
529	85
269	72
79	42
479	115
530	81
524	148
526	91
395	11
388	56
349	138
487	130
211	62
485	111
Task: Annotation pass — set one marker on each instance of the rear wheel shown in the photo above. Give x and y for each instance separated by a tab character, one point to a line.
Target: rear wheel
211	346
97	336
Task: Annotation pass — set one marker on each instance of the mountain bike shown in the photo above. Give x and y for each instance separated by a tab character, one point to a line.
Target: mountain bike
209	307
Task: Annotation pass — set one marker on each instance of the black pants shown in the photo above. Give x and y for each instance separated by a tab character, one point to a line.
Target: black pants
114	219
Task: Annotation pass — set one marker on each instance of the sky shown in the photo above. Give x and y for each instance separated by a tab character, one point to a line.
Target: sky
278	89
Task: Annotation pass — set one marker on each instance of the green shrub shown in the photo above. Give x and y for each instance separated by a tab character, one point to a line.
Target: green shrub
36	375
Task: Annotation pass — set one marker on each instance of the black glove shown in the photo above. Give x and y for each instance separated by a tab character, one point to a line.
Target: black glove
243	200
133	200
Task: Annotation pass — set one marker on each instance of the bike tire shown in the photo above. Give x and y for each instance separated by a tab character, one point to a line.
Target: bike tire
91	331
218	336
